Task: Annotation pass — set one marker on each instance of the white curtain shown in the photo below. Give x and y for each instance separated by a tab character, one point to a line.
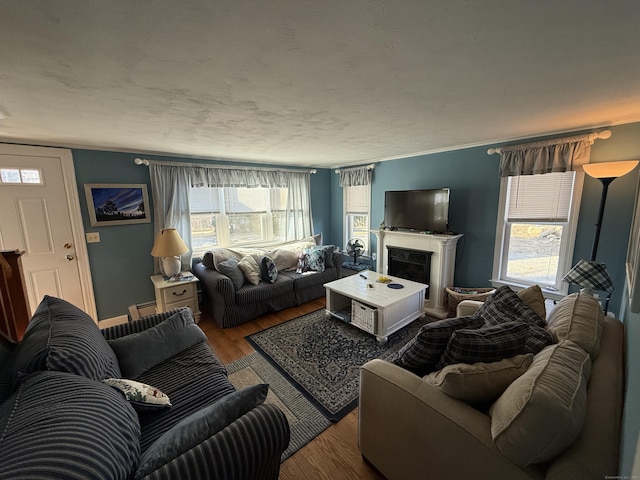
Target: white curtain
558	155
171	183
355	177
170	192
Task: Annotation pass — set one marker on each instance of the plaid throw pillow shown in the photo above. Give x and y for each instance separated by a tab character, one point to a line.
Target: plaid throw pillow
421	353
487	345
506	306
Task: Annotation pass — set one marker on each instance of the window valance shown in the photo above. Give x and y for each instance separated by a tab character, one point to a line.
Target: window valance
557	155
356	176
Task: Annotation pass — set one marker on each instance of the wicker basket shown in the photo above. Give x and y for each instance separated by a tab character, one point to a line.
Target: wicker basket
458	294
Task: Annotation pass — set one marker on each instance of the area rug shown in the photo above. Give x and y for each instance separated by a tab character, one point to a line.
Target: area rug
305	421
321	356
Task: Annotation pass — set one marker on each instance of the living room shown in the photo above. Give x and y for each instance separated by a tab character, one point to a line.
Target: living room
121	264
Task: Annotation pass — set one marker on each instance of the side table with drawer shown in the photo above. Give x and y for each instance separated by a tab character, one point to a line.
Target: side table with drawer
181	293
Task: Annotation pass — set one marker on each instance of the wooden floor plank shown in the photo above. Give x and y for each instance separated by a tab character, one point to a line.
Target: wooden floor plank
334	454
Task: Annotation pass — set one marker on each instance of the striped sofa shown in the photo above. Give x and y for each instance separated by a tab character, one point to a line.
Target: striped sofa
61	418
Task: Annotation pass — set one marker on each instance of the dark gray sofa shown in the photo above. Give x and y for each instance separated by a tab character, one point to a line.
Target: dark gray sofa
231	307
60	420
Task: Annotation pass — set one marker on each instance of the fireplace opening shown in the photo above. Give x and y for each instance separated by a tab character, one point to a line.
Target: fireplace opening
414	265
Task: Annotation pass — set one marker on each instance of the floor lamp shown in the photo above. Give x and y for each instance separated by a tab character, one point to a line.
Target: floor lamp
591	274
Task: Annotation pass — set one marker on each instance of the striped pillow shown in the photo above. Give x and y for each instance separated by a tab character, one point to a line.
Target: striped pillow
59	425
63	338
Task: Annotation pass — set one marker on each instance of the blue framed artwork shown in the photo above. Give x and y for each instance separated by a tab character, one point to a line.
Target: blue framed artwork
117	204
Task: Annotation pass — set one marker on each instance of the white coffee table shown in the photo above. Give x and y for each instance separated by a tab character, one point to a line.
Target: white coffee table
375	307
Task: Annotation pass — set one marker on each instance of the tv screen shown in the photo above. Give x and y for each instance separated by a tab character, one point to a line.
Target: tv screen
421	210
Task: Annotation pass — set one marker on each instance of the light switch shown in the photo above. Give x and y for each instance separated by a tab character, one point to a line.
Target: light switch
93	237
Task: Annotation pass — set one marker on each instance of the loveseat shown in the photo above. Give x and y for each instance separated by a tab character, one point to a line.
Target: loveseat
553	415
143	400
239	285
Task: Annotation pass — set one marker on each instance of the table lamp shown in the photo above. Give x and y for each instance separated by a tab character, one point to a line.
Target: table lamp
169	246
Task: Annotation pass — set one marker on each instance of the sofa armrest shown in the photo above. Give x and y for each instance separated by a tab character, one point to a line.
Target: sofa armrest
140	325
407	428
216	283
249	448
467	307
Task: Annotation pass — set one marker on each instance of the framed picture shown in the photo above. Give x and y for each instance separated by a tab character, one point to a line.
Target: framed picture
117	204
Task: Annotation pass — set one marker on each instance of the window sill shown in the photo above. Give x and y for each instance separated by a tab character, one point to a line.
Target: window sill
551	294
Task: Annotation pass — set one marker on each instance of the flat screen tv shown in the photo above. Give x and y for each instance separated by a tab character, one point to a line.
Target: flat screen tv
420	210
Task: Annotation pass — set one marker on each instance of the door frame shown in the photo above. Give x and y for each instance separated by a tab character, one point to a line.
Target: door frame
73	206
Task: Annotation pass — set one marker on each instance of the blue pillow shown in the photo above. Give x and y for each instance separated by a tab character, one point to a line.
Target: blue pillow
328	254
315	260
230	268
138	352
199	426
63	338
59	425
268	270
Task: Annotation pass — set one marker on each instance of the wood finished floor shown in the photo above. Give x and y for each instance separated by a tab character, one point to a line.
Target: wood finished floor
334	454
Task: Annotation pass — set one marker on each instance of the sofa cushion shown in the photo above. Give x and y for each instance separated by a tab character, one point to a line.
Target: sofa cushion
199	426
328	254
230	268
578	318
421	353
284	259
479	382
250	269
506	306
249	294
487	344
142	397
542	412
59	425
268	269
139	352
63	338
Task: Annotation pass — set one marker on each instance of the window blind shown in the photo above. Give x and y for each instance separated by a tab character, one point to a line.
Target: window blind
540	198
357	199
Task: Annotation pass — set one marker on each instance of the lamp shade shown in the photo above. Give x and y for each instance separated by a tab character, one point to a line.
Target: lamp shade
590	274
168	244
609	169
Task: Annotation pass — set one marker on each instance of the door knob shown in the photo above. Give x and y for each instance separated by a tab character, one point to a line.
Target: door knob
68	257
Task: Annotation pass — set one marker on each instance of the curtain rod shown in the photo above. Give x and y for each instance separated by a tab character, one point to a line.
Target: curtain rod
371	166
146	163
604	134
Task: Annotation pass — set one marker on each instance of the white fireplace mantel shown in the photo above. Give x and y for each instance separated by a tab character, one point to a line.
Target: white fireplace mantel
443	259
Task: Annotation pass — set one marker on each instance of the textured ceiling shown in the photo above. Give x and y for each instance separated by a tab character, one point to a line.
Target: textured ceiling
312	82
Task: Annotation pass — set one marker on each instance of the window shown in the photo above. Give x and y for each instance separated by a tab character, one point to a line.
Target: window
20	176
222	217
536	230
356	214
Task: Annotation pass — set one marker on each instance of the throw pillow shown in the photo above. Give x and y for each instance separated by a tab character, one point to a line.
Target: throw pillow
315	260
487	344
284	259
63	338
534	298
421	353
506	306
143	397
199	426
578	318
230	268
138	352
250	269
480	382
60	425
542	412
268	270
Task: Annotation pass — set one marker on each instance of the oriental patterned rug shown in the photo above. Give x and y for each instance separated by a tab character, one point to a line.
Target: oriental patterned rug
321	357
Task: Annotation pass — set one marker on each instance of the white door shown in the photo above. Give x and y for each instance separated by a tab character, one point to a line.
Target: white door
40	215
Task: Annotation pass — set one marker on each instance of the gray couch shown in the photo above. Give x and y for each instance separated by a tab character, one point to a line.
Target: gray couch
60	418
559	420
231	305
